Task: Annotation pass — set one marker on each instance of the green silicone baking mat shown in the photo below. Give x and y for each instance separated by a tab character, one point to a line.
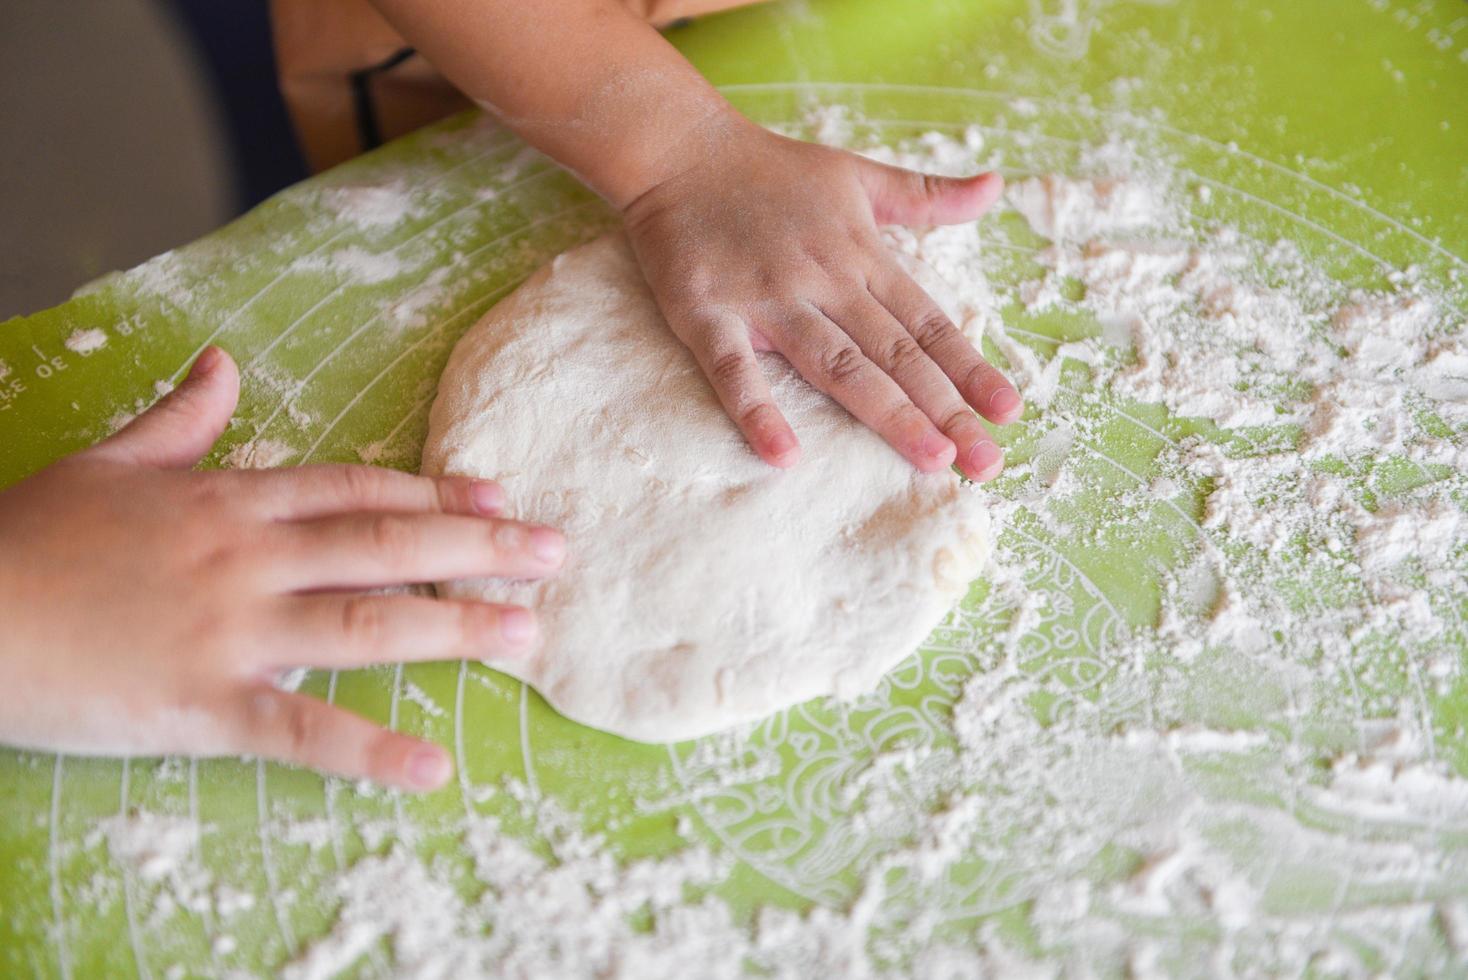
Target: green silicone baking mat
1337	127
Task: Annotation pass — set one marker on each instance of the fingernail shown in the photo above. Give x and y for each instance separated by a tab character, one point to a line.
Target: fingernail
428	768
546	544
205	363
985	460
1005	402
517	625
935	445
783	450
488	497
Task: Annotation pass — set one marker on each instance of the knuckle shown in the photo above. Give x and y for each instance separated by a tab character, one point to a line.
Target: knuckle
213	495
300	728
840	364
700	282
902	415
726	370
215	632
278	726
693	313
229	559
392	538
931	328
755	413
956	420
684	288
904	354
769	279
864	235
359	484
361	621
447	493
830	258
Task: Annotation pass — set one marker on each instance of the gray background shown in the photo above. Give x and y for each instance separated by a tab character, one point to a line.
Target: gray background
128	127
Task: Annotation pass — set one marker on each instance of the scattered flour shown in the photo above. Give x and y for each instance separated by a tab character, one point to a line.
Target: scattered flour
1245	777
258	454
379	207
1191	324
356	265
421	698
86	341
579	912
161	854
411	309
154	846
1068	210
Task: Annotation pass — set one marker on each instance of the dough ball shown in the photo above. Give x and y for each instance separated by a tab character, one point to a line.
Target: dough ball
702	588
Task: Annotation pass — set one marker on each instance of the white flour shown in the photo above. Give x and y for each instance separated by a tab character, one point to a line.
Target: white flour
86	341
155	846
1240	774
574	912
356	265
259	454
372	207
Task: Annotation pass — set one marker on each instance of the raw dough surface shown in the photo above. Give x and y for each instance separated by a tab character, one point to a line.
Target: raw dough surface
703	588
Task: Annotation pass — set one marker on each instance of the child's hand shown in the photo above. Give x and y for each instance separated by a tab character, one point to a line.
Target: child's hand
146	608
750	241
767	243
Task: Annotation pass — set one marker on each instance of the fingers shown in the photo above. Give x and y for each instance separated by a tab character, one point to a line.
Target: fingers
178	430
315	491
727	359
889	346
302	730
346	631
979	382
832	362
905	197
359	551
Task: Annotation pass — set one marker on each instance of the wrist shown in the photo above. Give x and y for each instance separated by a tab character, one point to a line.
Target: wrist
711	135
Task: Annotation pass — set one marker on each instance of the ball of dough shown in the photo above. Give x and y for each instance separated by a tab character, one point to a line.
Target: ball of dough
702	587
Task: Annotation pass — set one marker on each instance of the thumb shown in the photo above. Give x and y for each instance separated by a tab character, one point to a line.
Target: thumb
906	197
178	430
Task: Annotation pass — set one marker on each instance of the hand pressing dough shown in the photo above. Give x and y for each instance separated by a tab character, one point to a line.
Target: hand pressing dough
702	587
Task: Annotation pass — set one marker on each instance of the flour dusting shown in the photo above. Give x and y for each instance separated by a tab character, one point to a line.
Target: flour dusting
258	454
1194	722
86	341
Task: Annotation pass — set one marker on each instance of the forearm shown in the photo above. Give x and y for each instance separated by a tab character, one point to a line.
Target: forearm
585	81
748	241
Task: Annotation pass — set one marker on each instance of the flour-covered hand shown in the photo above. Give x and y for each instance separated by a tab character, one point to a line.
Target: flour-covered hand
768	243
148	608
